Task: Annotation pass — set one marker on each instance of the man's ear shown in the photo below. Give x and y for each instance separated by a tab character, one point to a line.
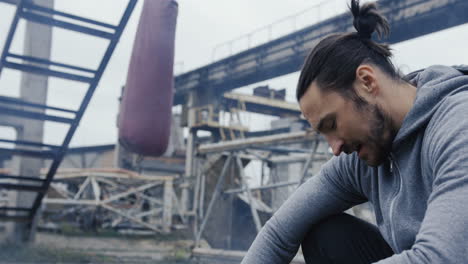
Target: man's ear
366	82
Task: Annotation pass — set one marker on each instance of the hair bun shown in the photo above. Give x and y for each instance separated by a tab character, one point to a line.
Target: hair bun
367	19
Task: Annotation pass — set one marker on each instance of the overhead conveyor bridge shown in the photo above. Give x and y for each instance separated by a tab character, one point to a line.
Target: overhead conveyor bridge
408	19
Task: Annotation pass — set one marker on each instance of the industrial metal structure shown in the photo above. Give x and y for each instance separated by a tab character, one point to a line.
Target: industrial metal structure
408	19
232	180
112	198
17	107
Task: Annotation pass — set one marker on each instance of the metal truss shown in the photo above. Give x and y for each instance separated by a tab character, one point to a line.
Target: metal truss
14	107
234	153
112	198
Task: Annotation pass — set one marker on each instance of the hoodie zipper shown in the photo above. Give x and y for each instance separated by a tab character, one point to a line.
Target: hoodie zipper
392	204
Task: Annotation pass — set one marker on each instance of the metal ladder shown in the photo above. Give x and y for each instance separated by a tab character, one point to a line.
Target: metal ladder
29	11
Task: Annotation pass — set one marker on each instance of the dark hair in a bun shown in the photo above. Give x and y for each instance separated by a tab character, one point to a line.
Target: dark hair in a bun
367	19
333	62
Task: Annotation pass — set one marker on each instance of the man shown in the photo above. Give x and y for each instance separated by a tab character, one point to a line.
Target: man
401	144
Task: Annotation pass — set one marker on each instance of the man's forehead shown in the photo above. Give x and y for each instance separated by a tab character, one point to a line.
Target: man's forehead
318	106
311	103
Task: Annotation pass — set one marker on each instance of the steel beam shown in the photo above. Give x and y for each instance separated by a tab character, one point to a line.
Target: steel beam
48	62
264	187
51	11
242	144
246	188
11	34
47	72
17	101
44	154
22	187
34	115
14	218
214	197
20	178
14	209
29	143
12	2
66	25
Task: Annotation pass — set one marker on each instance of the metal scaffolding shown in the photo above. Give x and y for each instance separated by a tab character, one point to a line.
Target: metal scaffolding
16	107
268	149
115	198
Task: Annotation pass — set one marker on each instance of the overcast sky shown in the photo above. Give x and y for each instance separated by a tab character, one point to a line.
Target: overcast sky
202	25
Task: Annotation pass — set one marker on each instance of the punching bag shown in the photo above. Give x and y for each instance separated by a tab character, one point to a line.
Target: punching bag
145	116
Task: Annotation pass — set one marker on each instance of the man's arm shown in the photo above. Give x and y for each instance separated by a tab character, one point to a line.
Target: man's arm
319	197
443	236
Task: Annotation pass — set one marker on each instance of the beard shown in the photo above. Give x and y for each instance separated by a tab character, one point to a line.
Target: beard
382	132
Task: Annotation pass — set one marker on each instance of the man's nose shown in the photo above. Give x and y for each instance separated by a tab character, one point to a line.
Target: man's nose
336	144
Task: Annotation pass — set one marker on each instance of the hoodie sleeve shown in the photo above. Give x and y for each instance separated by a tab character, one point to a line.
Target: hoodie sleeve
443	234
280	238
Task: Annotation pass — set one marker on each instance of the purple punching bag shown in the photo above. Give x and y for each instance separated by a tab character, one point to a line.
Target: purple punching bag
145	117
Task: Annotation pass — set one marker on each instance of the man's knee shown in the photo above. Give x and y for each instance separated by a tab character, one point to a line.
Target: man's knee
330	228
344	238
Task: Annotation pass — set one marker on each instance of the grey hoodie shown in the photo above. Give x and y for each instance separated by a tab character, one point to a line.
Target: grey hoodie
420	195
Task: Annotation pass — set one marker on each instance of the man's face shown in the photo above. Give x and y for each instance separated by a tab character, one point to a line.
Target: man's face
349	126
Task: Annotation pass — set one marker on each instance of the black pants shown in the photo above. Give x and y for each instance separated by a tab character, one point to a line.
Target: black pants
344	238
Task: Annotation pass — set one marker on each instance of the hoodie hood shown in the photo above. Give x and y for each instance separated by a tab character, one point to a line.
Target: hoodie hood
433	85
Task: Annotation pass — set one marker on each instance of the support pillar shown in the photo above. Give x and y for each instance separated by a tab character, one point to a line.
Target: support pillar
167	209
194	100
37	43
